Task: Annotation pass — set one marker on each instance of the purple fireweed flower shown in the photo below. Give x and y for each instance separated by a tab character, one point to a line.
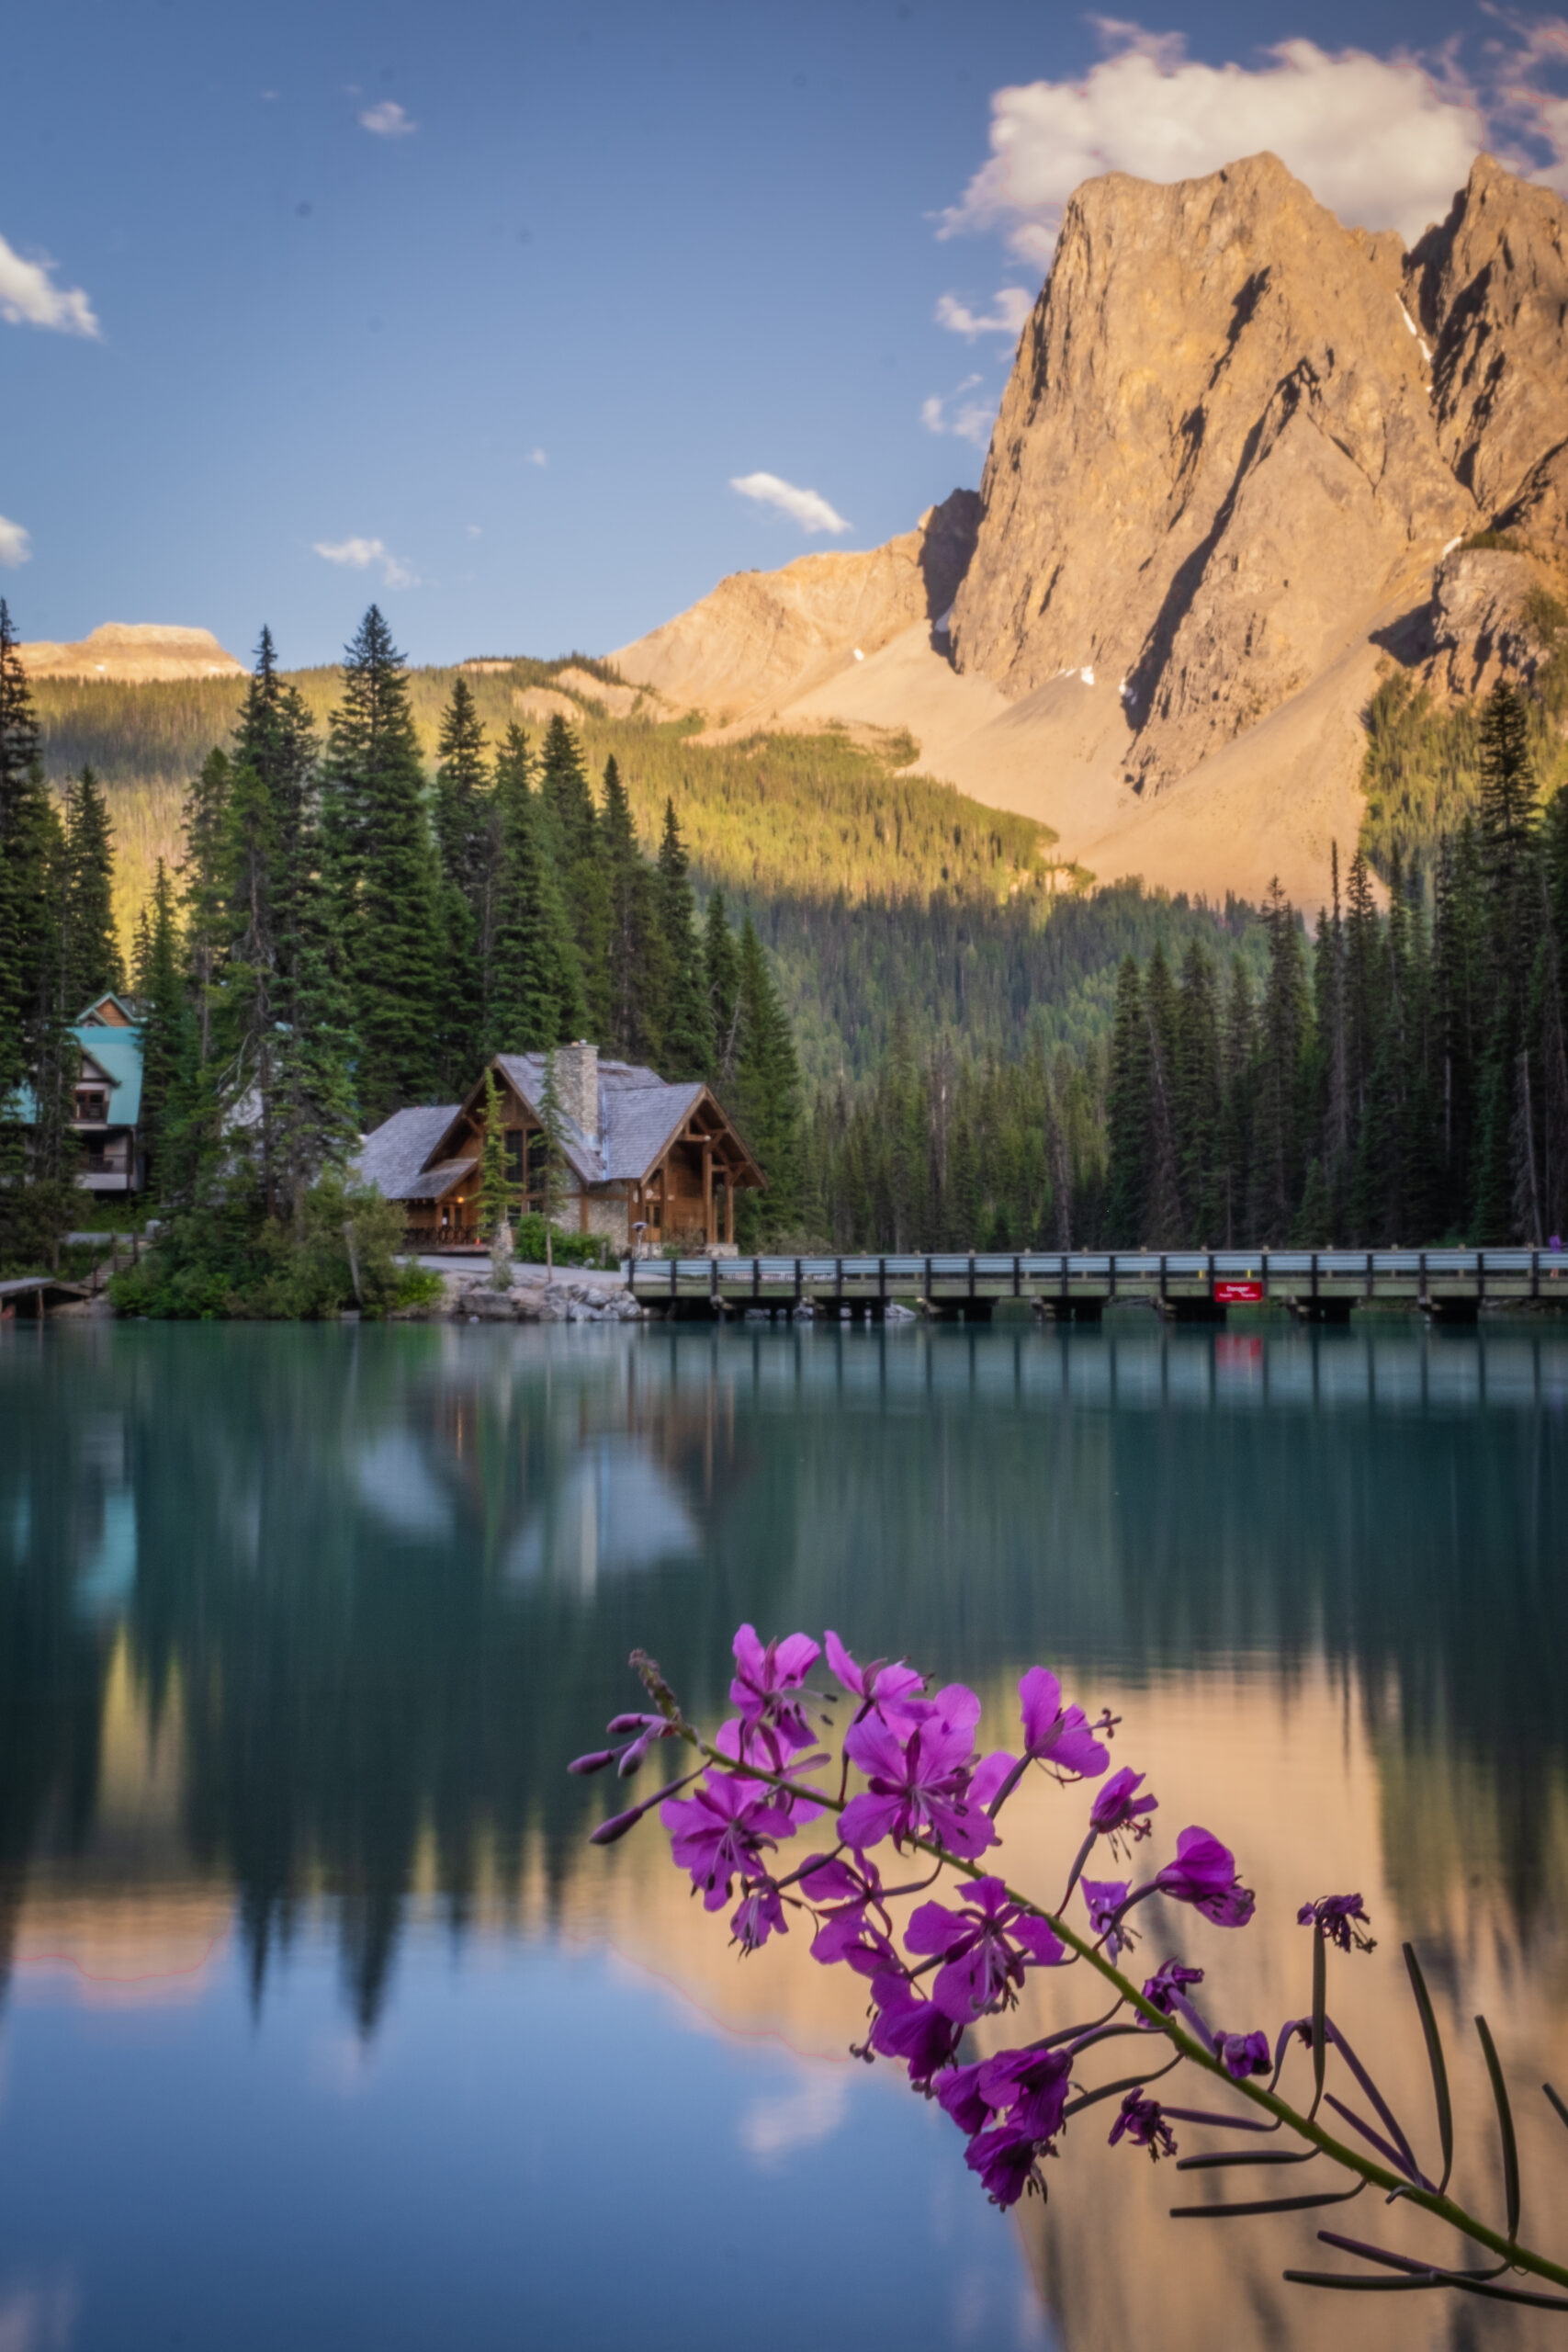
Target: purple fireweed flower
594	1761
1005	2160
1142	2120
911	2028
719	1831
1204	1875
920	1784
986	1946
845	1932
746	1743
1339	1919
1055	1736
1103	1898
892	1691
1242	2054
1167	1987
1116	1808
764	1680
960	2096
759	1915
1031	2086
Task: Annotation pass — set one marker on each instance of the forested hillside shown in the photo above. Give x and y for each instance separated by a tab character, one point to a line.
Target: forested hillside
872	888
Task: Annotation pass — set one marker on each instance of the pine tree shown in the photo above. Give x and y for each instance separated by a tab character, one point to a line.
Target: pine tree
638	984
721	967
167	1038
1240	1072
1329	984
1458	1022
381	869
1163	1225
1506	1178
686	1029
584	876
93	962
767	1106
1128	1112
1199	1094
1284	1039
495	1185
535	997
465	822
34	1050
205	822
549	1170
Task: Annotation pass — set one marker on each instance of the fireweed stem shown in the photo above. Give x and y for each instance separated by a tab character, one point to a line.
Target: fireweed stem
1442	2207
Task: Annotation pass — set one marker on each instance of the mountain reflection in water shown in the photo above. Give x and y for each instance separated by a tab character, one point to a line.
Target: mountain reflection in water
300	1626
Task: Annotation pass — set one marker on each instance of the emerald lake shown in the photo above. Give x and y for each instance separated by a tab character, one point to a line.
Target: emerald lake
323	2026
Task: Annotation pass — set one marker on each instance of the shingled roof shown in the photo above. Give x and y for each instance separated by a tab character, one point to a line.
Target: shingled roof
639	1115
393	1157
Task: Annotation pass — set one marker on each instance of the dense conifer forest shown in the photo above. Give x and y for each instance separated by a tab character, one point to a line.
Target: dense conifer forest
932	1035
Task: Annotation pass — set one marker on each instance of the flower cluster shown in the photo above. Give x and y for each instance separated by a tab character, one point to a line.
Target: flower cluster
917	1801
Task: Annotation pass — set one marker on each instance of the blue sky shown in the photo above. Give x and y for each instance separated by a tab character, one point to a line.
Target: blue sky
485	310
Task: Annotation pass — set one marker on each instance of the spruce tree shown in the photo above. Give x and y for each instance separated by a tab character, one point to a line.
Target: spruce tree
721	969
584	878
167	1038
381	870
1458	1022
1164	1224
1128	1112
465	826
686	1042
93	962
767	1106
1240	1074
550	1168
1508	1184
1199	1094
34	1048
202	873
495	1186
638	980
536	995
1283	1042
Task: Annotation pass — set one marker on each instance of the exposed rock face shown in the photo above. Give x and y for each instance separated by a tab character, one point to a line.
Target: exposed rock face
1217	450
1490	288
762	638
1234	469
133	653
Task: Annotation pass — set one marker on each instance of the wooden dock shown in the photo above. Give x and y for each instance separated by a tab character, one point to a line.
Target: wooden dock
1197	1286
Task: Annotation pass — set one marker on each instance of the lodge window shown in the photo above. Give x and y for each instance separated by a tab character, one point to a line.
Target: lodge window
514	1155
539	1153
91	1105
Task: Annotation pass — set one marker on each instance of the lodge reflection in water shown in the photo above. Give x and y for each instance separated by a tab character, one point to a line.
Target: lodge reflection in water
361	1593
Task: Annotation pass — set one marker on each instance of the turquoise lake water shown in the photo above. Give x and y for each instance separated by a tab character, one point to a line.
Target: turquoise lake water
321	2026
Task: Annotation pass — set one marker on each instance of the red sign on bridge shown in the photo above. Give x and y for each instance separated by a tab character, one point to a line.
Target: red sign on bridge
1238	1291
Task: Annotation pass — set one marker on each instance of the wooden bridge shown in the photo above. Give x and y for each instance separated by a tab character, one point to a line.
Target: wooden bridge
1197	1286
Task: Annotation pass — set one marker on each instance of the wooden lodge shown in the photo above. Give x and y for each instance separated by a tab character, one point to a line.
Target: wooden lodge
645	1162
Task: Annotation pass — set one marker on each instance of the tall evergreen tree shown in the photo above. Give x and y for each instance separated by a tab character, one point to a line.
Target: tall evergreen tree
93	961
584	875
33	876
536	998
635	948
1128	1111
721	969
1283	1042
464	828
203	872
767	1106
167	1038
685	1024
1506	1201
1164	1225
1199	1094
1240	1059
381	871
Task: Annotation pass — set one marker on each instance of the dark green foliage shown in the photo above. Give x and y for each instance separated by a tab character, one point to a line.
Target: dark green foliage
168	1039
381	877
466	840
765	1101
637	952
495	1186
536	996
583	865
33	876
686	1041
1283	1051
93	964
721	972
1129	1104
216	1262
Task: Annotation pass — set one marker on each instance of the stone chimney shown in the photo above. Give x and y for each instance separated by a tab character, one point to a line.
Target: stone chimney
577	1083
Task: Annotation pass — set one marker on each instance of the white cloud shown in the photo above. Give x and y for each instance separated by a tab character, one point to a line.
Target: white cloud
802	2118
16	547
1383	141
806	507
473	531
28	297
387	119
360	554
960	414
1007	316
537	458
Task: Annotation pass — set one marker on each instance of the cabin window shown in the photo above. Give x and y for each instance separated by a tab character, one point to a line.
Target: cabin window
91	1105
539	1153
514	1155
